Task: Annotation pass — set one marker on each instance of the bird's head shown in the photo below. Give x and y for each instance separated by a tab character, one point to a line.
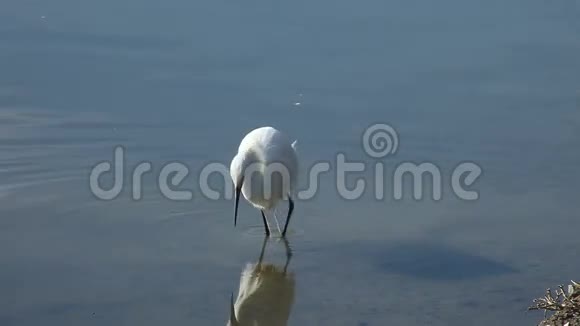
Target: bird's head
237	168
239	164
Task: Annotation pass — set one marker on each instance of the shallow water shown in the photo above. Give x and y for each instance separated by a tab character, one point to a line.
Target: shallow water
495	83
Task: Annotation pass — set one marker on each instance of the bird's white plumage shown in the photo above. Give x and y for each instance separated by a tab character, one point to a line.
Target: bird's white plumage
259	150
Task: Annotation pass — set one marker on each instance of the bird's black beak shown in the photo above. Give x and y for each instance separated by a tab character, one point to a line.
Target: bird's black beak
233	319
237	199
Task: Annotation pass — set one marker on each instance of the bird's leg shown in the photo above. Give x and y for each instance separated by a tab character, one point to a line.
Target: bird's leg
266	228
288	254
275	215
290	209
263	250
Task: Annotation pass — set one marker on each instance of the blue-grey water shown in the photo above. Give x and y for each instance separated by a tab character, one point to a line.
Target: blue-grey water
496	83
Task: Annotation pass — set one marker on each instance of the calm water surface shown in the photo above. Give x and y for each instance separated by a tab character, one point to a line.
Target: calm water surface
497	83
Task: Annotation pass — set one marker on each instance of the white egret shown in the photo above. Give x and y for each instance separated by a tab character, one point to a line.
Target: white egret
266	294
264	170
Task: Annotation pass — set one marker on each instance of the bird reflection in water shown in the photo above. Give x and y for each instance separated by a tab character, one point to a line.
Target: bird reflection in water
266	293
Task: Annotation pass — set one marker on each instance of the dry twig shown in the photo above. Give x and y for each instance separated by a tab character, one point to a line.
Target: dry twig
564	304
